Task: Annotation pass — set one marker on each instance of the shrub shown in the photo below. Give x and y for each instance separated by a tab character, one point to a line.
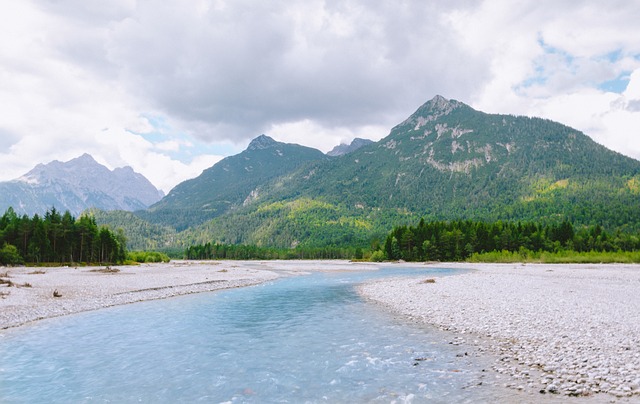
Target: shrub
377	256
148	256
9	255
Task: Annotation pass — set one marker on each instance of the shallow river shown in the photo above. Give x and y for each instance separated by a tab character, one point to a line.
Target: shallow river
299	339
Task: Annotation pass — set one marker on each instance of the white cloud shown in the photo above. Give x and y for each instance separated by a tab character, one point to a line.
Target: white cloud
162	85
549	59
172	145
314	135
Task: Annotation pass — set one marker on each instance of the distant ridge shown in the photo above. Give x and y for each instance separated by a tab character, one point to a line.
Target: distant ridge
77	185
342	149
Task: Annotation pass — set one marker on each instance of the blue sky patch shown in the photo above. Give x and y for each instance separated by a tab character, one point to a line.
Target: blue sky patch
617	85
188	147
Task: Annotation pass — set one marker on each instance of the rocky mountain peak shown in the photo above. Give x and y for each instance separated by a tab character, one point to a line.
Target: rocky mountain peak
76	185
261	142
348	148
430	111
438	106
438	102
86	158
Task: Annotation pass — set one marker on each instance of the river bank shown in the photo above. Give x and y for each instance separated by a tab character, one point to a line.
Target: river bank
27	294
554	329
30	294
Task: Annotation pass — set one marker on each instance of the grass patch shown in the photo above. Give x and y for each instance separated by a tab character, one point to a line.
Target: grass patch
37	272
560	257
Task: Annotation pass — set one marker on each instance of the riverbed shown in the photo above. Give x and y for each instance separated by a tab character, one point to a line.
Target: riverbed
305	337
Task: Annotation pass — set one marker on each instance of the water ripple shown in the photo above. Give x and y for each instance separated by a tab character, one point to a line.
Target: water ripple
300	339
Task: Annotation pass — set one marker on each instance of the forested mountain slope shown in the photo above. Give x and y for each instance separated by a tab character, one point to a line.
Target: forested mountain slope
450	160
229	184
140	234
446	161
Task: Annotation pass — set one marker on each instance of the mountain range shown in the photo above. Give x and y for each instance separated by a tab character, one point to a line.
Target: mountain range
77	185
446	161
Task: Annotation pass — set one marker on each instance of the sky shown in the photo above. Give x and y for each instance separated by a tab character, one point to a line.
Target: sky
170	87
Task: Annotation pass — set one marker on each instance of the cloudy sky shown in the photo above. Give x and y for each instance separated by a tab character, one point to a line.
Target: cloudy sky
169	87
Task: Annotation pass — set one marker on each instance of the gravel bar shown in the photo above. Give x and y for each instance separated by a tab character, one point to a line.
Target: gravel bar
554	330
29	295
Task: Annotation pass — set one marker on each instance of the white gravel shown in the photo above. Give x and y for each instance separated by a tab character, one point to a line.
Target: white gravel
554	329
31	297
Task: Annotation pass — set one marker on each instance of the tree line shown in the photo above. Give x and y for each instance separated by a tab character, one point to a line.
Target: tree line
215	251
59	238
458	240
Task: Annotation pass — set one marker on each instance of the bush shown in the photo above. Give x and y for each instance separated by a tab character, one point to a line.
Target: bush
148	256
377	256
9	255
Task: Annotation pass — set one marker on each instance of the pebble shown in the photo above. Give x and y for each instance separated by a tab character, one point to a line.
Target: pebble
572	331
83	290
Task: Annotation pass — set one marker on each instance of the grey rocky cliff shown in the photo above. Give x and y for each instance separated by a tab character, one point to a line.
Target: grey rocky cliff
356	144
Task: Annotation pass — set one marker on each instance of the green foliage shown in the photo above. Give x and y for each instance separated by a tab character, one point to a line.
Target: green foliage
147	256
141	235
560	257
377	256
301	222
59	238
9	255
504	242
216	251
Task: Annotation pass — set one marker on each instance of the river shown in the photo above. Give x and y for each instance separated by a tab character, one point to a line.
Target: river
307	338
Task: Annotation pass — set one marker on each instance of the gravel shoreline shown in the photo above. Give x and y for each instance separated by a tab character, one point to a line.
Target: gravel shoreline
555	330
30	296
561	330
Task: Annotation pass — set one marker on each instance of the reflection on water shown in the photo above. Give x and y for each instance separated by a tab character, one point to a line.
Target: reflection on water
300	339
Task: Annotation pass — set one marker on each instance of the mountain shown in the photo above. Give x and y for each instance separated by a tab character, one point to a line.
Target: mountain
77	185
230	183
348	148
446	161
448	157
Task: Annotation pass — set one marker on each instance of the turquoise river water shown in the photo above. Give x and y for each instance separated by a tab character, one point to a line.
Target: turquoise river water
298	339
